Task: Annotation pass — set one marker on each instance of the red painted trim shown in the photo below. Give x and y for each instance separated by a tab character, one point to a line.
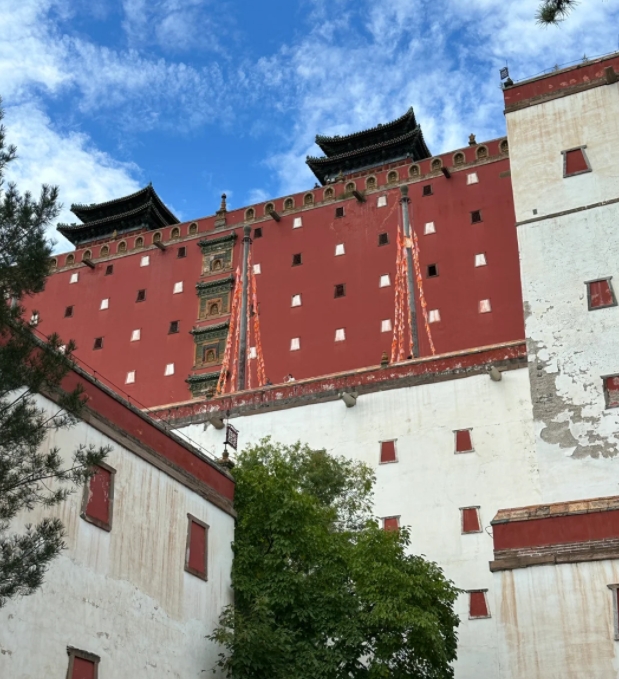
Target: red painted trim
434	368
581	74
138	426
557	530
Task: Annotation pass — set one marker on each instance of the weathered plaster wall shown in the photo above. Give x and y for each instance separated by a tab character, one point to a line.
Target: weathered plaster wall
557	621
429	483
538	134
123	595
570	347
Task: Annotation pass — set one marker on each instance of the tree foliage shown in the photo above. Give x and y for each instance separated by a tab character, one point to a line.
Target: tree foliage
321	591
29	474
554	11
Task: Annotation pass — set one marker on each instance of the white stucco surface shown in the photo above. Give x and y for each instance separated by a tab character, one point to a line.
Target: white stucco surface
123	595
429	483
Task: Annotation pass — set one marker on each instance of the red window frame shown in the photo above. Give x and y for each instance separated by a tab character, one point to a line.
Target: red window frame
80	663
388	452
575	161
463	441
391	523
196	554
478	604
600	294
99	490
469	520
611	390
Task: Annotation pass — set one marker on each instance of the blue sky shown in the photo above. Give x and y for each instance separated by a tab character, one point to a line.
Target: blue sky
201	97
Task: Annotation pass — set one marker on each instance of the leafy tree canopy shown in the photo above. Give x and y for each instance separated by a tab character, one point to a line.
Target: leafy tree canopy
30	475
321	591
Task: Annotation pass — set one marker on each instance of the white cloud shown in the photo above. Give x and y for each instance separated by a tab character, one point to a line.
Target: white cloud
83	173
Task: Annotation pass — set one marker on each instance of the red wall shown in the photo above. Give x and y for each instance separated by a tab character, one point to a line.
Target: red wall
455	292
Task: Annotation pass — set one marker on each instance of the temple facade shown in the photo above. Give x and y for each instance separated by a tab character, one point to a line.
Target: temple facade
451	320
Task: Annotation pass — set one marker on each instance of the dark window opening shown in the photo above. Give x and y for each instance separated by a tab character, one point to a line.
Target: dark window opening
475	216
141	296
432	270
258	232
297	259
340	290
339	211
68	312
181	252
600	294
427	190
383	238
173	327
98	343
109	269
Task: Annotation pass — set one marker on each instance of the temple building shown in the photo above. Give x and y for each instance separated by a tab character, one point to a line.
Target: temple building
450	320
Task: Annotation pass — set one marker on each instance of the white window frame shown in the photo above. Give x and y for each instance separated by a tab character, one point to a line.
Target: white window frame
384	281
145	260
178	288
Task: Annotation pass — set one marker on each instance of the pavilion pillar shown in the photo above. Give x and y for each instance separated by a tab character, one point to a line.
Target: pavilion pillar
405	203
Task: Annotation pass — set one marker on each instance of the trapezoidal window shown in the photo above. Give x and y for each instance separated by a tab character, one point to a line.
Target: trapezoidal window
339	290
476	217
339	211
611	391
432	270
98	343
383	239
173	327
196	552
387	452
391	523
181	252
297	259
463	442
68	312
109	269
469	520
575	162
82	664
478	605
600	294
258	232
98	499
427	190
141	296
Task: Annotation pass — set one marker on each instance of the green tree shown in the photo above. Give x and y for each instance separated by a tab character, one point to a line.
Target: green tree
29	474
554	11
320	589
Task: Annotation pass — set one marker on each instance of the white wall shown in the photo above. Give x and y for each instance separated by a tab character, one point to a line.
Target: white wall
538	134
429	483
558	621
570	347
123	595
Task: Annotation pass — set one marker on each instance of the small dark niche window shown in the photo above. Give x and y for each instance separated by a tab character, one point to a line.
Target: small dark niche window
173	327
68	312
98	343
339	211
109	269
476	217
141	296
432	270
383	239
297	259
339	290
258	232
181	252
427	190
